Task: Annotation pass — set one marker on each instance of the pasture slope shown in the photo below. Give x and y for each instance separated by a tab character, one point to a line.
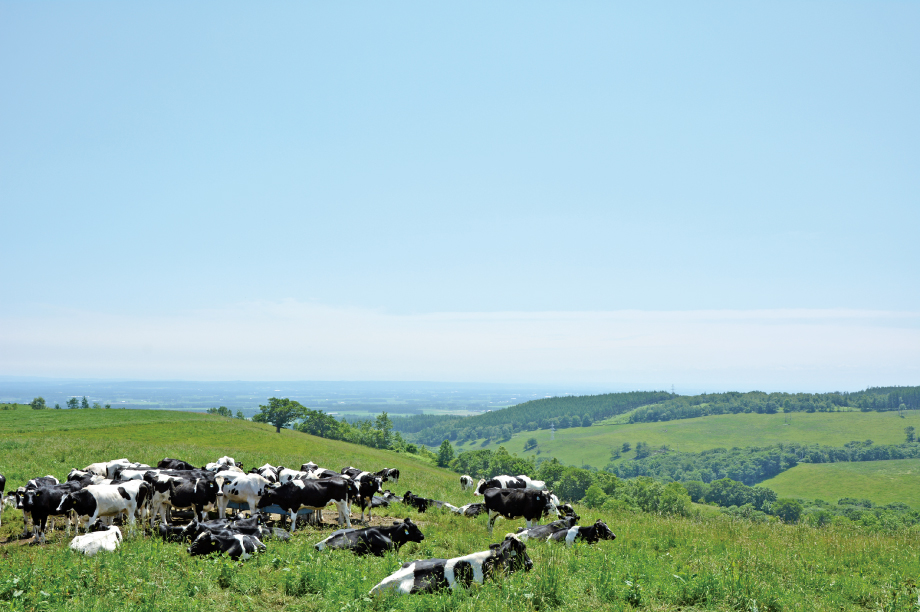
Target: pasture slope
593	445
657	563
882	482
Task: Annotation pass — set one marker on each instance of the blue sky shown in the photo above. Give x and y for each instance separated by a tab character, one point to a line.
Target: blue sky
390	168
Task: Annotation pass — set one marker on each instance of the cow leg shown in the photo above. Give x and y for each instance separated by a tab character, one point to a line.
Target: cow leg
492	517
529	523
293	521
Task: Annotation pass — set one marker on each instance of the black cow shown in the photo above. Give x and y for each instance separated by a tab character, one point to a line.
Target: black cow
236	545
174	464
368	484
373	540
542	532
598	531
43	502
435	574
529	504
314	494
192	494
19	494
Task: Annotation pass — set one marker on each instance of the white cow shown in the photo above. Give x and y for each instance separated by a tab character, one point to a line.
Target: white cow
92	543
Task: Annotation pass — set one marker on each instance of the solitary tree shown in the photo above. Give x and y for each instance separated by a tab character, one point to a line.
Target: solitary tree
530	444
57	406
383	427
445	454
73	403
239	415
84	403
38	403
279	412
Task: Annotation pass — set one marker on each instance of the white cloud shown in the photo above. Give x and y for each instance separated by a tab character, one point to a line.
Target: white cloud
812	349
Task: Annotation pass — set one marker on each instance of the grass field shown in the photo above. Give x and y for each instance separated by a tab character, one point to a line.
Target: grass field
593	445
657	563
883	482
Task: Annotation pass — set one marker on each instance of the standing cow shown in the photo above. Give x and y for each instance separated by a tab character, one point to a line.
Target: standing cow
528	504
311	494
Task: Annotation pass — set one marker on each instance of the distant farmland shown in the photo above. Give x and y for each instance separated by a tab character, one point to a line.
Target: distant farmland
883	482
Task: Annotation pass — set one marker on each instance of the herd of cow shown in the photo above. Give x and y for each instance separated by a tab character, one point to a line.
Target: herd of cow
95	497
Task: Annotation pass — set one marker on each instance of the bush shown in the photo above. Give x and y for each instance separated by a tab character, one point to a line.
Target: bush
595	497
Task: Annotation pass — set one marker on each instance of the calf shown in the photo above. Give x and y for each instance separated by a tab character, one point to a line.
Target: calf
528	504
509	482
542	532
96	501
91	543
471	510
373	540
435	574
598	531
467	482
313	494
174	464
236	545
368	484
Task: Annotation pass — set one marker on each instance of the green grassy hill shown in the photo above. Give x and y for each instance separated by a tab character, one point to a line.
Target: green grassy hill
657	562
593	445
882	482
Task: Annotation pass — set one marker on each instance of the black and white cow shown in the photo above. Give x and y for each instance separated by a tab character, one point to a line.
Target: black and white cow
43	502
241	489
509	482
174	464
91	543
287	475
236	545
309	466
598	531
199	495
19	494
268	471
368	484
95	501
422	504
312	494
2	487
373	540
102	468
432	575
389	497
389	475
467	482
529	504
471	510
542	532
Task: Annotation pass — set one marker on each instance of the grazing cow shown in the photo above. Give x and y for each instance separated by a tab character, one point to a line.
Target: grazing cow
236	545
389	475
509	482
96	501
471	510
518	503
309	466
91	543
433	575
312	494
542	532
373	540
174	464
239	488
229	461
467	482
598	531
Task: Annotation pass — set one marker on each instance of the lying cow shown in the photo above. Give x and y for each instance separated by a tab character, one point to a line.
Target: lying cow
509	482
435	574
471	510
529	504
373	540
542	532
422	504
590	535
91	543
236	545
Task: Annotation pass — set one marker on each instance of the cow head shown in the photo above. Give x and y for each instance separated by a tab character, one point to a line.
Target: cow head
69	502
30	498
603	531
480	487
204	544
408	532
511	554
